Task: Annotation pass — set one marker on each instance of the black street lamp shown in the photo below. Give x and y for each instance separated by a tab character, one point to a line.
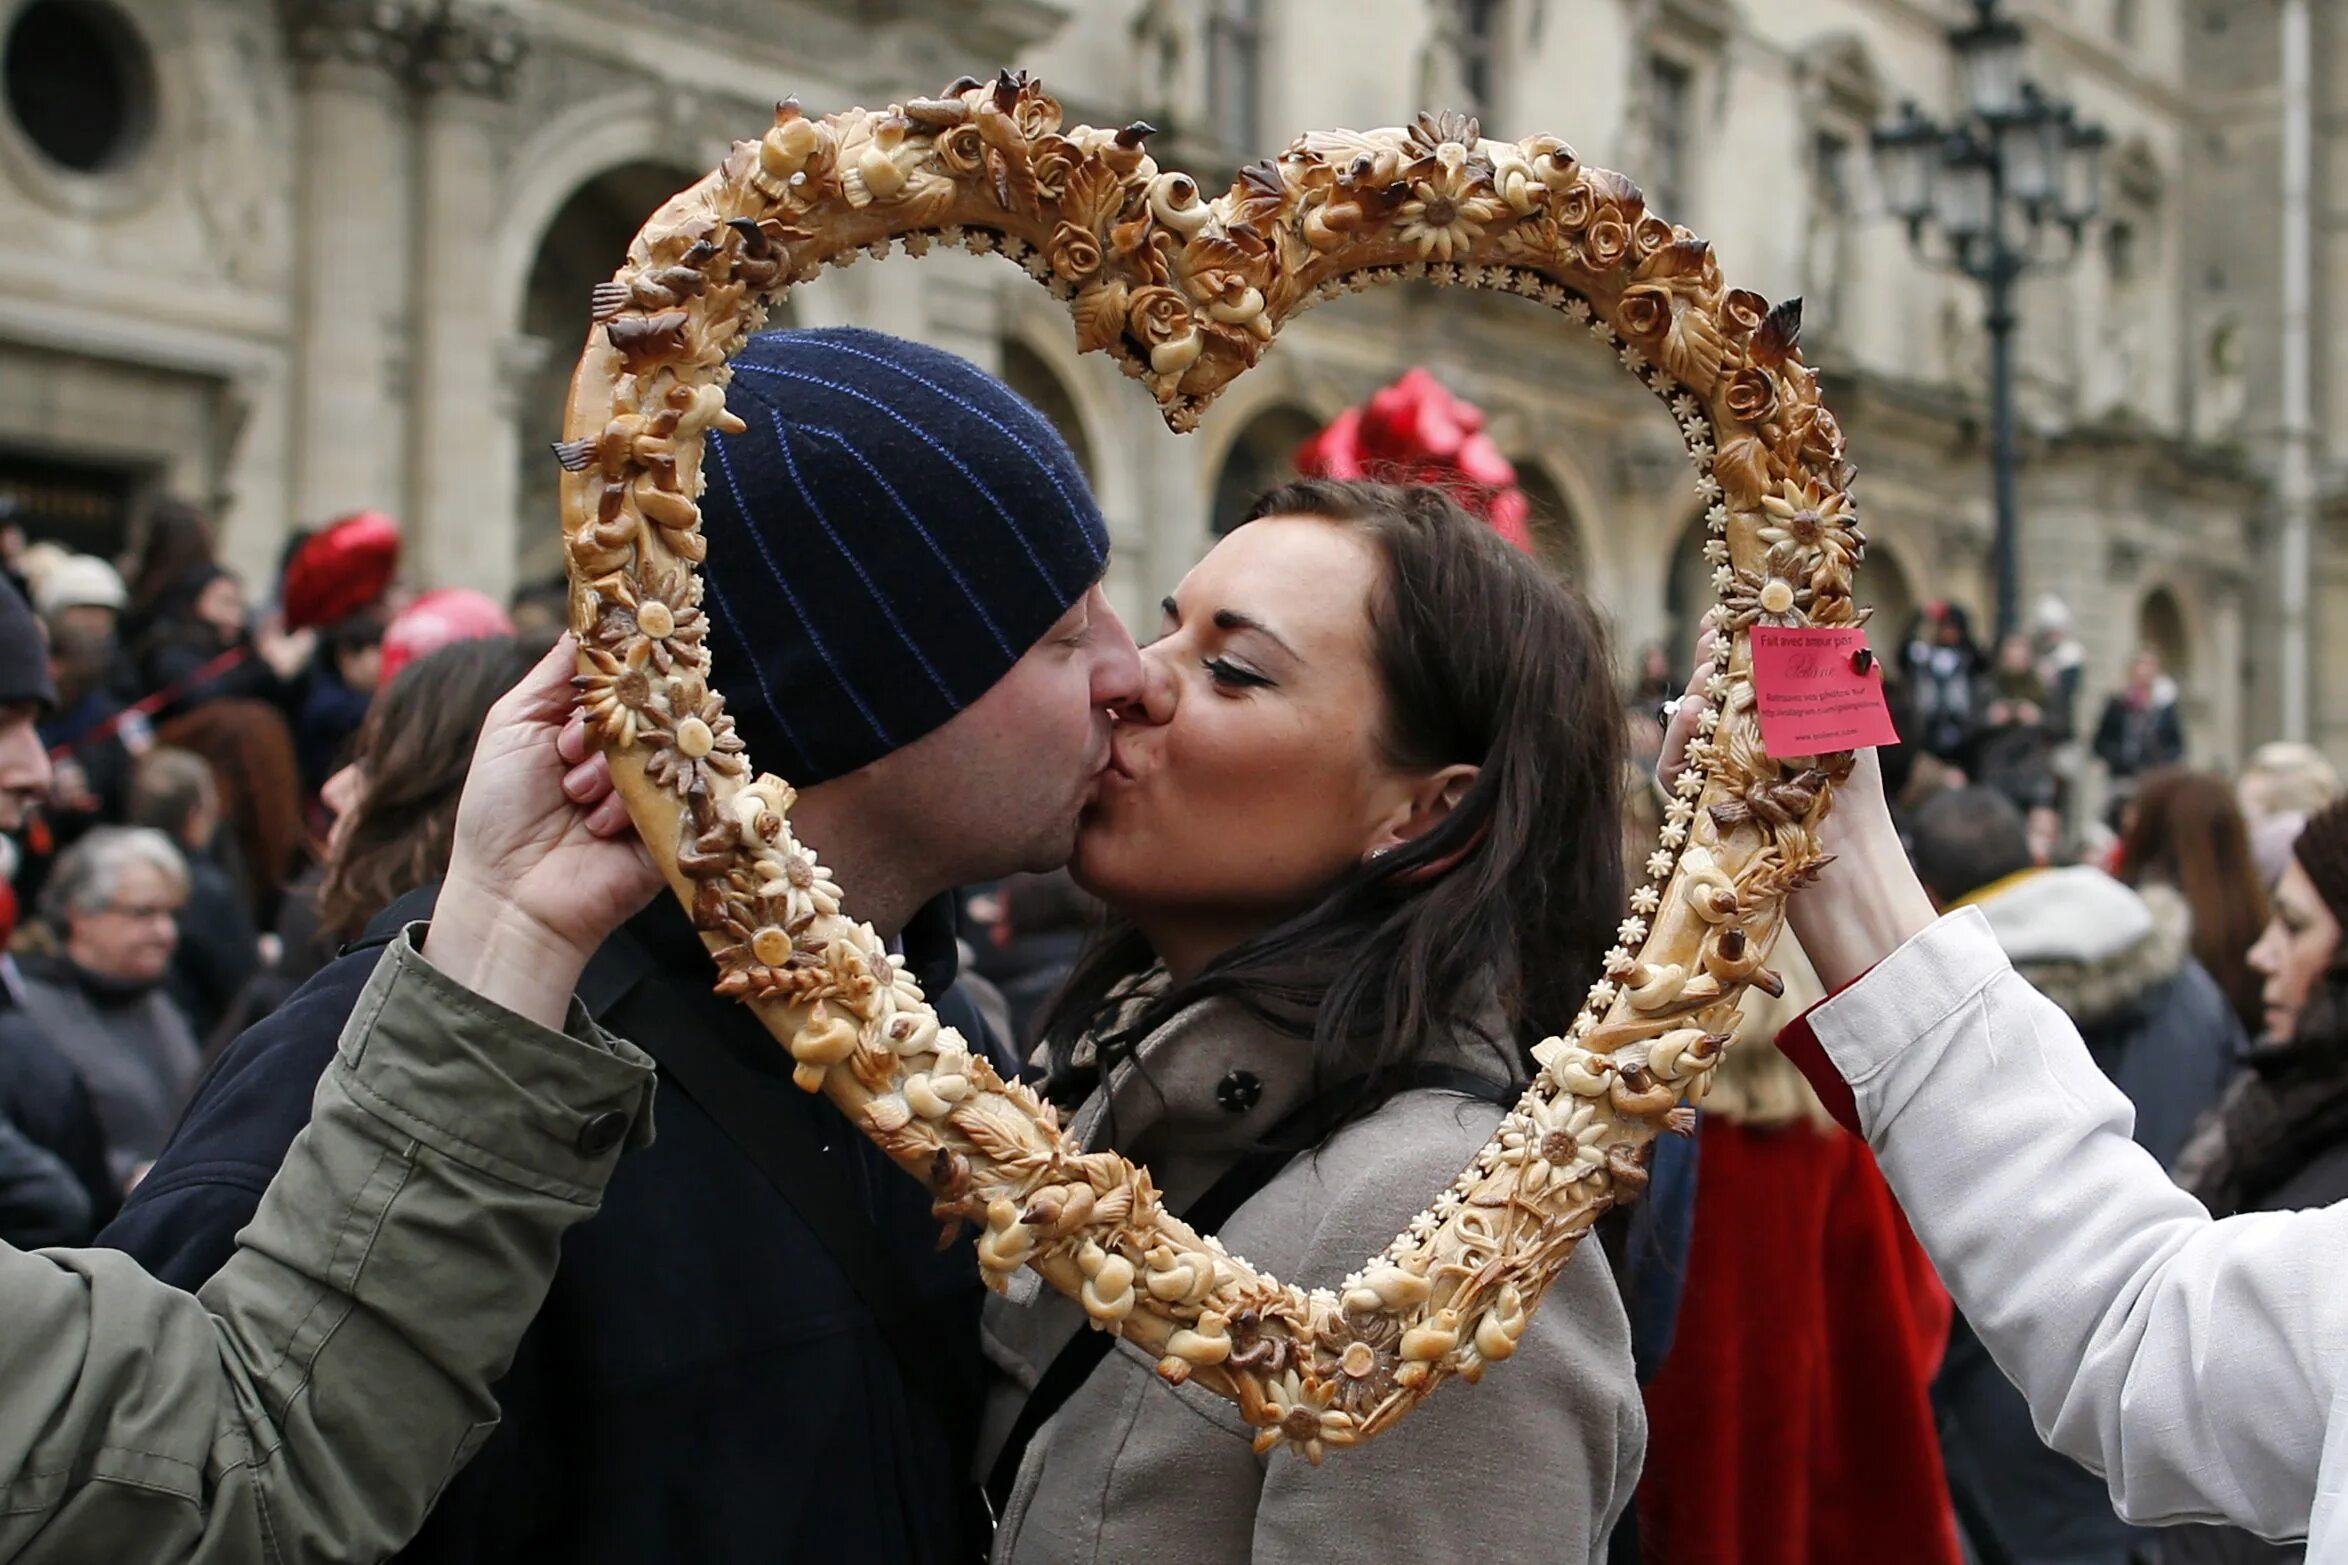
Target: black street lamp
1996	183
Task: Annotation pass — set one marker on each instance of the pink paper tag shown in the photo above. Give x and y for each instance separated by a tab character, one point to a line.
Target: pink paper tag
1812	696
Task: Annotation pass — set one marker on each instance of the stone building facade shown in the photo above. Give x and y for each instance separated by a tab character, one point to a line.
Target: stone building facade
332	254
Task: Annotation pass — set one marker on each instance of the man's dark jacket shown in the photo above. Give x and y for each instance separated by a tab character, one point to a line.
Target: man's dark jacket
704	1384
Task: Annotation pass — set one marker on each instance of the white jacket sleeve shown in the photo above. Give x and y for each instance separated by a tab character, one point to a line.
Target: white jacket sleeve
2195	1365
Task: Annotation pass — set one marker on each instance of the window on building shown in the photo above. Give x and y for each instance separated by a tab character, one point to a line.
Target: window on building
1479	34
1235	73
79	83
1830	175
1828	250
1671	95
2124	23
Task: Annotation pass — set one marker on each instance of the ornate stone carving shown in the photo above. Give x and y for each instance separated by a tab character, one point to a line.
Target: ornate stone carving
469	47
1187	293
354	32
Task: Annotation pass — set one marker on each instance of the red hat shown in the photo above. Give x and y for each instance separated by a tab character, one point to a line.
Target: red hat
340	569
439	618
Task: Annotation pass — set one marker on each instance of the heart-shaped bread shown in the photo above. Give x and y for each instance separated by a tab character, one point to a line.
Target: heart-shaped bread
1188	293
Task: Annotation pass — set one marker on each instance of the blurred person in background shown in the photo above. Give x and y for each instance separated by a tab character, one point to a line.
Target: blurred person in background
541	609
90	736
1945	685
2139	731
2184	831
173	792
343	680
2284	783
2016	752
2285	777
203	646
2062	665
2120	965
114	904
1030	929
2278	1140
174	550
81	590
250	748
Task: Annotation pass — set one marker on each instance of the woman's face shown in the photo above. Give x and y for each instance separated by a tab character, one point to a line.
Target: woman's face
221	605
2295	948
1249	775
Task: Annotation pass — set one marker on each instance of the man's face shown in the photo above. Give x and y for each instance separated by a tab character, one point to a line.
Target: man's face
132	936
999	787
24	763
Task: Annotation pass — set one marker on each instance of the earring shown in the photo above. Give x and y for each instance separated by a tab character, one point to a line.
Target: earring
1377	853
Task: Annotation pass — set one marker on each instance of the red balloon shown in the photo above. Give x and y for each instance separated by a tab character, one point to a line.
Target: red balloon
1416	431
440	618
340	569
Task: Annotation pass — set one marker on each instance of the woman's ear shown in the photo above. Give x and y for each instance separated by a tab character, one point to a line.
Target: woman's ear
1430	802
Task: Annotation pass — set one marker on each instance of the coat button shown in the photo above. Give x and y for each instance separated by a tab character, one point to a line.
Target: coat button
603	1132
1239	1091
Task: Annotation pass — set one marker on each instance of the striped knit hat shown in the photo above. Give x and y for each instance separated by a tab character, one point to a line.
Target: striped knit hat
893	531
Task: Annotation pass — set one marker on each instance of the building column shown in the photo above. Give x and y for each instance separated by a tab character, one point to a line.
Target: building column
461	466
349	437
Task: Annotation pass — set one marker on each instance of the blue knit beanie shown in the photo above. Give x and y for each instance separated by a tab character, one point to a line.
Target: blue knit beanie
893	531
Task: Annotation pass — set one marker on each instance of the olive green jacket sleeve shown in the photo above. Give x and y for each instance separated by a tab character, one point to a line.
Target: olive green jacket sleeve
313	1400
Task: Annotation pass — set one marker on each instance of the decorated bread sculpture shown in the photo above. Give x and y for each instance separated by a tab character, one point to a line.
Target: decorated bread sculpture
1187	293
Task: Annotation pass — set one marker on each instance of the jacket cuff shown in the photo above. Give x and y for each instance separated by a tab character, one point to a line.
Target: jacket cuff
489	1089
1859	1031
1798	1043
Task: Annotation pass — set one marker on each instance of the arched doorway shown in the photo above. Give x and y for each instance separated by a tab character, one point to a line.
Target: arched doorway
1026	372
1556	538
1262	456
1882	584
582	246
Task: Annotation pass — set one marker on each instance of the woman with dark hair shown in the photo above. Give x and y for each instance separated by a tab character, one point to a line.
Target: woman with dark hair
1360	833
174	557
395	805
2278	1140
2185	836
202	646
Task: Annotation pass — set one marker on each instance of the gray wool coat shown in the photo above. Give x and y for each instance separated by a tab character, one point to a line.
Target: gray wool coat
1534	1463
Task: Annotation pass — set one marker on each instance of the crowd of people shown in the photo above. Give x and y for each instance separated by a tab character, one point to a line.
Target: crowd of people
2161	926
1279	903
228	802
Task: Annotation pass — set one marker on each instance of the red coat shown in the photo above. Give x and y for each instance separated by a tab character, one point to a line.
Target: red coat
1792	1423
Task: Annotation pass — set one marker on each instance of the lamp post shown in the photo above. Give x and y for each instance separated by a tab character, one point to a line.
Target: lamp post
1995	184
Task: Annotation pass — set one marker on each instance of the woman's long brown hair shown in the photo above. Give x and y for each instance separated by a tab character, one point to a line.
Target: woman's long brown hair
2187	832
413	749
